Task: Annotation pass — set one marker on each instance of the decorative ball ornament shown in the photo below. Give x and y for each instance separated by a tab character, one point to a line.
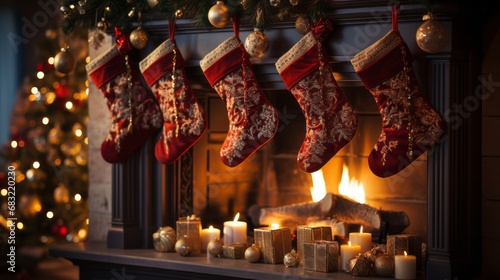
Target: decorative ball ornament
359	266
252	254
182	247
384	266
65	10
275	3
214	247
64	61
138	38
431	36
152	3
374	253
102	25
257	43
164	239
302	25
291	259
218	15
61	193
179	13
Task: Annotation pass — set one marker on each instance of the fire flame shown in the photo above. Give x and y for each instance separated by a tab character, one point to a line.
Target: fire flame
318	189
351	187
236	217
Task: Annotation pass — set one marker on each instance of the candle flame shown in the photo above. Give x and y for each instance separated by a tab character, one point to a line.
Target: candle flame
237	217
210	228
318	189
361	229
406	253
351	187
349	242
275	226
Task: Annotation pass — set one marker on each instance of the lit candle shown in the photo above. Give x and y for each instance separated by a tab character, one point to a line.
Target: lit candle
207	235
363	239
405	266
347	252
235	231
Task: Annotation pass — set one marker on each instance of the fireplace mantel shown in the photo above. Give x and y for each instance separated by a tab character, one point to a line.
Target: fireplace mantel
142	189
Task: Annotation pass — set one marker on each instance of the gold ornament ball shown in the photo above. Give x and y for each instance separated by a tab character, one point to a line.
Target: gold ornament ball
302	25
152	3
102	25
431	36
61	193
257	44
182	247
360	266
252	254
218	15
138	38
179	13
164	239
214	247
291	259
64	61
384	266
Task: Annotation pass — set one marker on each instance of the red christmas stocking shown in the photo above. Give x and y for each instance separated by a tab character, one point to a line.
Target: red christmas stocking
410	126
134	114
252	120
330	119
184	120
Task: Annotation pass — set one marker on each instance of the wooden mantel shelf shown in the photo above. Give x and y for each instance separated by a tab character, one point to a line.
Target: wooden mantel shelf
95	261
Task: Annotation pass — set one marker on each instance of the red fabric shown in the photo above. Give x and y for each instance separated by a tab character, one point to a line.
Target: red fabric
163	65
108	70
384	68
225	65
302	67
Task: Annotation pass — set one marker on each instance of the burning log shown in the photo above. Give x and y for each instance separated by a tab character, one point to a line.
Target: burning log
332	206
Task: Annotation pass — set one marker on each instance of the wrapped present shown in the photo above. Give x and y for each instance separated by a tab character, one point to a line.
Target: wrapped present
322	256
274	243
190	227
311	233
412	244
233	251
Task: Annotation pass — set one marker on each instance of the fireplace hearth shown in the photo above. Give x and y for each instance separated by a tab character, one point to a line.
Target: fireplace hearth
436	191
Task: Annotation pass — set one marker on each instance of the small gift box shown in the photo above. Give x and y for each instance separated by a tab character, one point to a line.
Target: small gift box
190	227
412	244
233	251
308	234
274	243
322	256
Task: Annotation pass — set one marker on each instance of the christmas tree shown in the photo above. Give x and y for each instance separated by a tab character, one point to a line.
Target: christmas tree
43	170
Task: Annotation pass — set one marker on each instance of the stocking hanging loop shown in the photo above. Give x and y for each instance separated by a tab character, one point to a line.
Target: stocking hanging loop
395	14
171	28
236	26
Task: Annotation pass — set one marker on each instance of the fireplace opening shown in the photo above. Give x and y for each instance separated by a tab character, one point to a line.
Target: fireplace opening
271	177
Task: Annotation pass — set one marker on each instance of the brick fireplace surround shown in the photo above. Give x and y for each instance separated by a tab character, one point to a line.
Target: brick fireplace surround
130	200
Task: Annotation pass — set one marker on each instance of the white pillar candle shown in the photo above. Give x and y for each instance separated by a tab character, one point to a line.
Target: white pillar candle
235	231
363	239
207	235
405	266
347	252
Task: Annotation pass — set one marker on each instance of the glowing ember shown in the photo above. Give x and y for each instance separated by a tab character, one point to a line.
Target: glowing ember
318	190
351	187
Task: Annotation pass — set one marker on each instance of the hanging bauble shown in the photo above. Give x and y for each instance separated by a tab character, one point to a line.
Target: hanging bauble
252	254
102	24
294	2
139	38
152	3
275	3
384	266
164	239
182	247
302	25
431	36
64	61
61	193
291	259
218	15
257	43
214	247
179	13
